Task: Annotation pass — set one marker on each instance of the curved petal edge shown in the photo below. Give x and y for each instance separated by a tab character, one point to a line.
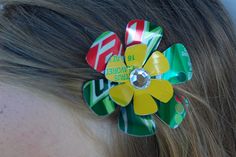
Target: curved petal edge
96	96
180	64
143	32
106	45
173	112
134	125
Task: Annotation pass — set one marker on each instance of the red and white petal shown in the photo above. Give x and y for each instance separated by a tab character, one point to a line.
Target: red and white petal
143	32
105	46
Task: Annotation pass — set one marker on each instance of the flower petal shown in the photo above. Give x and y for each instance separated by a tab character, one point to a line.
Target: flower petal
180	64
121	94
161	90
144	104
116	70
156	64
135	55
173	112
96	96
106	45
135	125
143	32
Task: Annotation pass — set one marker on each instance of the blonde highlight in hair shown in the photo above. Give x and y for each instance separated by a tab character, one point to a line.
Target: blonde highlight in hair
43	45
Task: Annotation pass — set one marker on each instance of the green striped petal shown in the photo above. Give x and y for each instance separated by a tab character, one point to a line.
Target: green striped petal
180	64
134	125
96	96
173	112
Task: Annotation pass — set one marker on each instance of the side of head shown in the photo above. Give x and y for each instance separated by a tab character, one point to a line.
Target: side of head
43	45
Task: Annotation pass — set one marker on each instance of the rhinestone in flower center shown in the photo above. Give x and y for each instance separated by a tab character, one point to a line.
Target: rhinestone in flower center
140	79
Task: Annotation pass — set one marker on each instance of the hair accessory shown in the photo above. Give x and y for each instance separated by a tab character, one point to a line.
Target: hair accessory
138	80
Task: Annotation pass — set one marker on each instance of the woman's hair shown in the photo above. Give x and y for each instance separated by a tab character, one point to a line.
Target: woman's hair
43	44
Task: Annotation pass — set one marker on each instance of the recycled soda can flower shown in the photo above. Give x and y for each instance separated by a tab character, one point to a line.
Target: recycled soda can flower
140	82
135	79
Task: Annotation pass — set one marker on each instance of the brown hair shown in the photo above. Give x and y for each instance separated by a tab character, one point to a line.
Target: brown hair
43	45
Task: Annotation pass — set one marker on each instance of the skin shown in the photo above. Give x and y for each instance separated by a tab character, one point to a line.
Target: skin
32	125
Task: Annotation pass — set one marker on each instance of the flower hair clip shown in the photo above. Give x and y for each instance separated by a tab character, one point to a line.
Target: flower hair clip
139	79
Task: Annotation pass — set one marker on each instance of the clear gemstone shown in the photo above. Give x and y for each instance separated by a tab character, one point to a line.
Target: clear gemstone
139	78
